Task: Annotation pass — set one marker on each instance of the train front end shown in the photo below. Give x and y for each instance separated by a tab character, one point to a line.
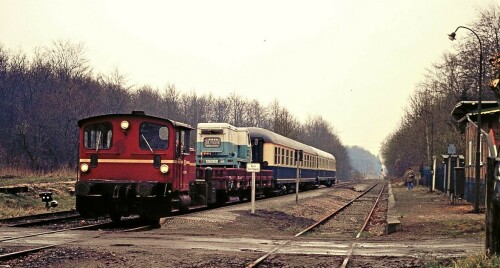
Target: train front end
133	164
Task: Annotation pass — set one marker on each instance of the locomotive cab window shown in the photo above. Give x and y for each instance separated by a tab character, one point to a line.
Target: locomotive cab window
98	136
153	137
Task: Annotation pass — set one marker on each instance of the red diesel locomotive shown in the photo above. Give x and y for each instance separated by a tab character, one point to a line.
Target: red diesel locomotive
133	164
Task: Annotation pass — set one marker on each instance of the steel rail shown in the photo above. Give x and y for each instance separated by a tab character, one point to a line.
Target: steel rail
36	216
323	220
15	254
353	245
45	221
320	222
371	212
55	231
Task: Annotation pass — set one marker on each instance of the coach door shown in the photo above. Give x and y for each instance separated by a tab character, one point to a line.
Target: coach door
257	150
182	149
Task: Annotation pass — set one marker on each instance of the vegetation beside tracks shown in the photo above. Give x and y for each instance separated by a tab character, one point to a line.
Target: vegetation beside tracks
60	183
480	260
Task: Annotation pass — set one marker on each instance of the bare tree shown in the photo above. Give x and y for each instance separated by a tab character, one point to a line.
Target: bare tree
237	109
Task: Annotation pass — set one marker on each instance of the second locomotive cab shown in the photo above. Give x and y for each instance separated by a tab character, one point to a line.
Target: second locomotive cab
222	145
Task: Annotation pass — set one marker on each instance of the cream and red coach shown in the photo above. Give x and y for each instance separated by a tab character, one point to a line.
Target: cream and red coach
134	164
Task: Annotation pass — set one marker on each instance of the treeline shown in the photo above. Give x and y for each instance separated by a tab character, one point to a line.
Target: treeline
427	127
44	95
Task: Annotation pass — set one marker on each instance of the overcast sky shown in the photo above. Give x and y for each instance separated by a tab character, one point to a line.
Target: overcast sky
353	62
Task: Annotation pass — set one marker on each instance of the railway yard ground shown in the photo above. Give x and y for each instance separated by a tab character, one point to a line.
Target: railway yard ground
431	232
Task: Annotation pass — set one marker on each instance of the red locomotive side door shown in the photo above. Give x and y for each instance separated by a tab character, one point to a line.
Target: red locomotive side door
181	148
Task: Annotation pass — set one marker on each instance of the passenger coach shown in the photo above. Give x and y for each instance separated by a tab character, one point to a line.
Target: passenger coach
279	154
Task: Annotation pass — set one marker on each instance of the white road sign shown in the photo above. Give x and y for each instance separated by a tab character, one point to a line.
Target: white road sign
253	167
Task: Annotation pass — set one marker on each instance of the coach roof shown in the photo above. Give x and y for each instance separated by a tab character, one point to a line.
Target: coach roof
269	136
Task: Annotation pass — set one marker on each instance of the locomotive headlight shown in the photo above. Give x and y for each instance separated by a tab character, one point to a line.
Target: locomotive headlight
164	168
84	167
124	125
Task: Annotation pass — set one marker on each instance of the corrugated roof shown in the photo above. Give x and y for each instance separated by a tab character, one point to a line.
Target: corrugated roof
463	108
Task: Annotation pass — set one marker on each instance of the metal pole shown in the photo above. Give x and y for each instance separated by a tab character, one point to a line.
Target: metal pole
433	184
448	175
478	152
253	192
433	159
478	140
297	184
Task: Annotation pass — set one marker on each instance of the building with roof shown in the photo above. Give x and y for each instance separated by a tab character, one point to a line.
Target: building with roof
465	113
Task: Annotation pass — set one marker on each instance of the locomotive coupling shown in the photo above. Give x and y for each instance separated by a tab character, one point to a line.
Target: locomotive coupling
82	188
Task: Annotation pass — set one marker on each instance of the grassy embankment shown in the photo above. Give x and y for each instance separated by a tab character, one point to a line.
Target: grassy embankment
60	183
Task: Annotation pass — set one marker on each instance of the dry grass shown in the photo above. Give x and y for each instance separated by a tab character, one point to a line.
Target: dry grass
60	183
15	177
477	261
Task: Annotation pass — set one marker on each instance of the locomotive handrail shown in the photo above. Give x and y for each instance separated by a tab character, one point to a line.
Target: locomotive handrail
102	153
146	153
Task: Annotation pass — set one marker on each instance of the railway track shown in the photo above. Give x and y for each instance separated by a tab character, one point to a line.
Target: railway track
56	220
24	251
37	219
349	221
127	225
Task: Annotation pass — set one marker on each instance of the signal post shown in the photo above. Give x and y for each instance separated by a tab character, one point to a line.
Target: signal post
253	167
298	159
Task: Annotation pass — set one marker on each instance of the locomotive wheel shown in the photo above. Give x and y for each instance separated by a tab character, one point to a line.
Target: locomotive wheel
241	197
115	216
82	207
244	194
150	219
221	197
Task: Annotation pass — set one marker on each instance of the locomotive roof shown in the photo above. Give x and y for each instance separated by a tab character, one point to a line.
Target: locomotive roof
276	138
136	115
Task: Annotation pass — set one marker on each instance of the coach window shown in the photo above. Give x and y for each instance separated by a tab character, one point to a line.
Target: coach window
98	136
275	155
153	137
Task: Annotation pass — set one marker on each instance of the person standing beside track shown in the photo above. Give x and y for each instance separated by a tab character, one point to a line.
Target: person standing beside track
410	178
